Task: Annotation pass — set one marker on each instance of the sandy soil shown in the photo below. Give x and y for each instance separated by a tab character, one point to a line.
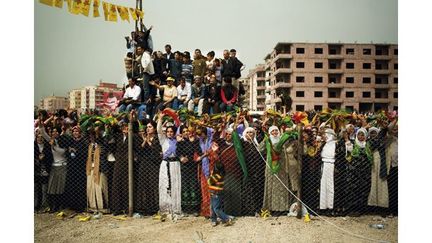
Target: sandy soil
246	229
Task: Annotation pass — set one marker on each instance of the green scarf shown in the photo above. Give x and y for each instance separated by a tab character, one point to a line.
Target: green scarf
273	153
239	151
357	151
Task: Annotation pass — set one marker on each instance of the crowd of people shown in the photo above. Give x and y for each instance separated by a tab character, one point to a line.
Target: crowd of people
225	163
197	152
156	80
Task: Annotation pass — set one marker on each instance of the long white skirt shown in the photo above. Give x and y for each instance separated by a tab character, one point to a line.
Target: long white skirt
327	186
170	200
97	194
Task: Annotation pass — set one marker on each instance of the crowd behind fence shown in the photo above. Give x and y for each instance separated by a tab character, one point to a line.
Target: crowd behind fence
179	167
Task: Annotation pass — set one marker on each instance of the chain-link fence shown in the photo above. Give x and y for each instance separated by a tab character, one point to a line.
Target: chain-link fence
157	169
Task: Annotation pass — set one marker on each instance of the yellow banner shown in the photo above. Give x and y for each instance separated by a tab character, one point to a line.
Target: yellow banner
76	7
133	13
85	7
112	12
69	4
123	12
140	13
58	3
96	8
105	9
47	2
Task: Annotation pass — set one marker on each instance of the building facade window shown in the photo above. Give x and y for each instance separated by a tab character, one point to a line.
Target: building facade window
300	107
366	80
366	94
318	65
349	51
300	79
299	93
366	65
318	79
395	66
349	94
349	80
300	64
367	51
318	94
300	50
350	65
395	80
395	95
318	107
318	51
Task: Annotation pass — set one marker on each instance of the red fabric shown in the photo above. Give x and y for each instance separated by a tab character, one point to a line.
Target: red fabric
205	195
224	99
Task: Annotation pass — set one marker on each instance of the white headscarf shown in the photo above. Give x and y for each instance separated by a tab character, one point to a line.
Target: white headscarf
328	152
330	135
351	136
254	136
361	144
372	129
274	139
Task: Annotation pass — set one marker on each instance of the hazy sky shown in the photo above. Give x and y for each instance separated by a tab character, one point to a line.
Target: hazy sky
72	51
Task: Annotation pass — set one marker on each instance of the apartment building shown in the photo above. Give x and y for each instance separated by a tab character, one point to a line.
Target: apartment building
53	103
362	77
92	97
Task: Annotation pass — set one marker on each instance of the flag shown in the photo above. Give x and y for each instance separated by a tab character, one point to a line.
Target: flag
123	12
69	4
47	2
112	12
76	6
85	7
133	13
105	9
58	3
96	8
140	13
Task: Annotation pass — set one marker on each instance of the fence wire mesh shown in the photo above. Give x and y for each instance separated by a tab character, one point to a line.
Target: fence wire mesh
194	171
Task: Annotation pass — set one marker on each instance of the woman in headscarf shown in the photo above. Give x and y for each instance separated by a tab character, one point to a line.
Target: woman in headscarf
76	183
359	174
276	197
120	185
148	157
392	160
43	159
378	195
253	187
328	156
311	168
187	146
206	162
97	183
169	172
57	176
340	173
233	174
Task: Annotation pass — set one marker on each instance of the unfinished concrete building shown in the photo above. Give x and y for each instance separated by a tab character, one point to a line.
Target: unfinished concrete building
362	77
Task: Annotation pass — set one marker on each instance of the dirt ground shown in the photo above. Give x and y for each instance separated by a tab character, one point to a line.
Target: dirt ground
48	228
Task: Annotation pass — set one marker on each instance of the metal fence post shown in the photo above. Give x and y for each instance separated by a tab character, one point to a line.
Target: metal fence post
299	159
130	160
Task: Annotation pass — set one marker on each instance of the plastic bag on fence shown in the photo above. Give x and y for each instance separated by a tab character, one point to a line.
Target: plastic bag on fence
294	209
